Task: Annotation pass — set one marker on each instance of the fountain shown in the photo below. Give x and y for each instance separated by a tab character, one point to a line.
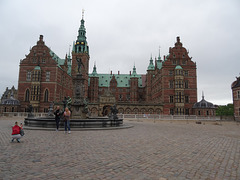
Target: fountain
79	107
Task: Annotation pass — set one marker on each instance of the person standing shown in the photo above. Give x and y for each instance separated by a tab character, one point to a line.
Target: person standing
67	115
57	114
16	132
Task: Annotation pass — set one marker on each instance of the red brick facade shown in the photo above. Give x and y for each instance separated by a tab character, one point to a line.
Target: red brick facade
43	78
169	87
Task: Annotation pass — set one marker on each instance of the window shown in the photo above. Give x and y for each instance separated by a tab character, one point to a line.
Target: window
27	95
179	97
199	113
34	60
36	76
174	62
238	95
171	99
185	73
180	111
186	84
46	96
186	99
43	61
28	76
179	84
207	113
172	111
183	61
170	73
170	84
47	76
179	72
187	111
120	97
35	92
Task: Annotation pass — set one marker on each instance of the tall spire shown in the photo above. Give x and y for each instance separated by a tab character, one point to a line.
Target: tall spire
159	56
81	45
82	13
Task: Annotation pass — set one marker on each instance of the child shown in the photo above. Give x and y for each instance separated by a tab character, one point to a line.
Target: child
16	132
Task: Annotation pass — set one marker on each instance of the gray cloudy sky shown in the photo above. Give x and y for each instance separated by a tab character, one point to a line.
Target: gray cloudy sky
123	32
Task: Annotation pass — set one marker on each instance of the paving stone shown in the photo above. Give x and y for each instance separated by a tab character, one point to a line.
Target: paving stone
161	150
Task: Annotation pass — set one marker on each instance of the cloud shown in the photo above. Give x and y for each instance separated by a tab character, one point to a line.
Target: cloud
121	33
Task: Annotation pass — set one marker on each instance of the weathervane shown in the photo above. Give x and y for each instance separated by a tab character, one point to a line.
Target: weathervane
82	13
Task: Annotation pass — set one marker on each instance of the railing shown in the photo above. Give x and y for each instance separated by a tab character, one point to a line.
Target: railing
168	117
130	116
21	114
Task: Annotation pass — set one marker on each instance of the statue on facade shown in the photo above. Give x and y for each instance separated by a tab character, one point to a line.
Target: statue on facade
50	110
79	60
114	111
30	110
69	103
64	102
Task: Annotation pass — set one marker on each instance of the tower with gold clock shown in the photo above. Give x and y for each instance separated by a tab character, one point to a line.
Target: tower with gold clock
80	59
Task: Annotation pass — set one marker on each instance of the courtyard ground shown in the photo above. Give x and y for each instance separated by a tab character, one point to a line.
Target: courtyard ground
150	150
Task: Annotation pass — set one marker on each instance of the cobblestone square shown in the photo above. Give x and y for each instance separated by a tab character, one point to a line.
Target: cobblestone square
158	151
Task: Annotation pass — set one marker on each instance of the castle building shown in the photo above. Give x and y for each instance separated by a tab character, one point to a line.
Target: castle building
236	98
43	78
168	87
9	102
204	108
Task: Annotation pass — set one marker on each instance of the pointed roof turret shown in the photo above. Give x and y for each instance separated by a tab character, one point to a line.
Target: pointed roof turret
94	73
134	73
151	66
159	60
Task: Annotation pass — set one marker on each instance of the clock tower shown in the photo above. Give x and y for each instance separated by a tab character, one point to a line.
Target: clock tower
80	58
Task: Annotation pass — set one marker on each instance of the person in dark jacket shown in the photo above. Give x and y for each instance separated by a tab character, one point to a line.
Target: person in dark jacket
16	132
57	114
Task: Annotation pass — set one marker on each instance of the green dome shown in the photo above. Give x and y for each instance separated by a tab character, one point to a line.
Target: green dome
37	68
178	67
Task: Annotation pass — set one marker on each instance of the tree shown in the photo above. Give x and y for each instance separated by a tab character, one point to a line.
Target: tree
226	110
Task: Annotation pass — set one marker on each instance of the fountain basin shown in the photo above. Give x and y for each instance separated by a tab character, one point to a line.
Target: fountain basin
49	122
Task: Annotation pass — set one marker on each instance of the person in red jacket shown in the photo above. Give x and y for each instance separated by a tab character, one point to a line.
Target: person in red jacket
16	132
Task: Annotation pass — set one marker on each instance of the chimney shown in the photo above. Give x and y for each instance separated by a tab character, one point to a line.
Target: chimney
118	72
130	73
111	72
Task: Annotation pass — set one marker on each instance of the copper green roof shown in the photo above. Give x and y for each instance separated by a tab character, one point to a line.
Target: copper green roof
123	80
60	61
56	58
